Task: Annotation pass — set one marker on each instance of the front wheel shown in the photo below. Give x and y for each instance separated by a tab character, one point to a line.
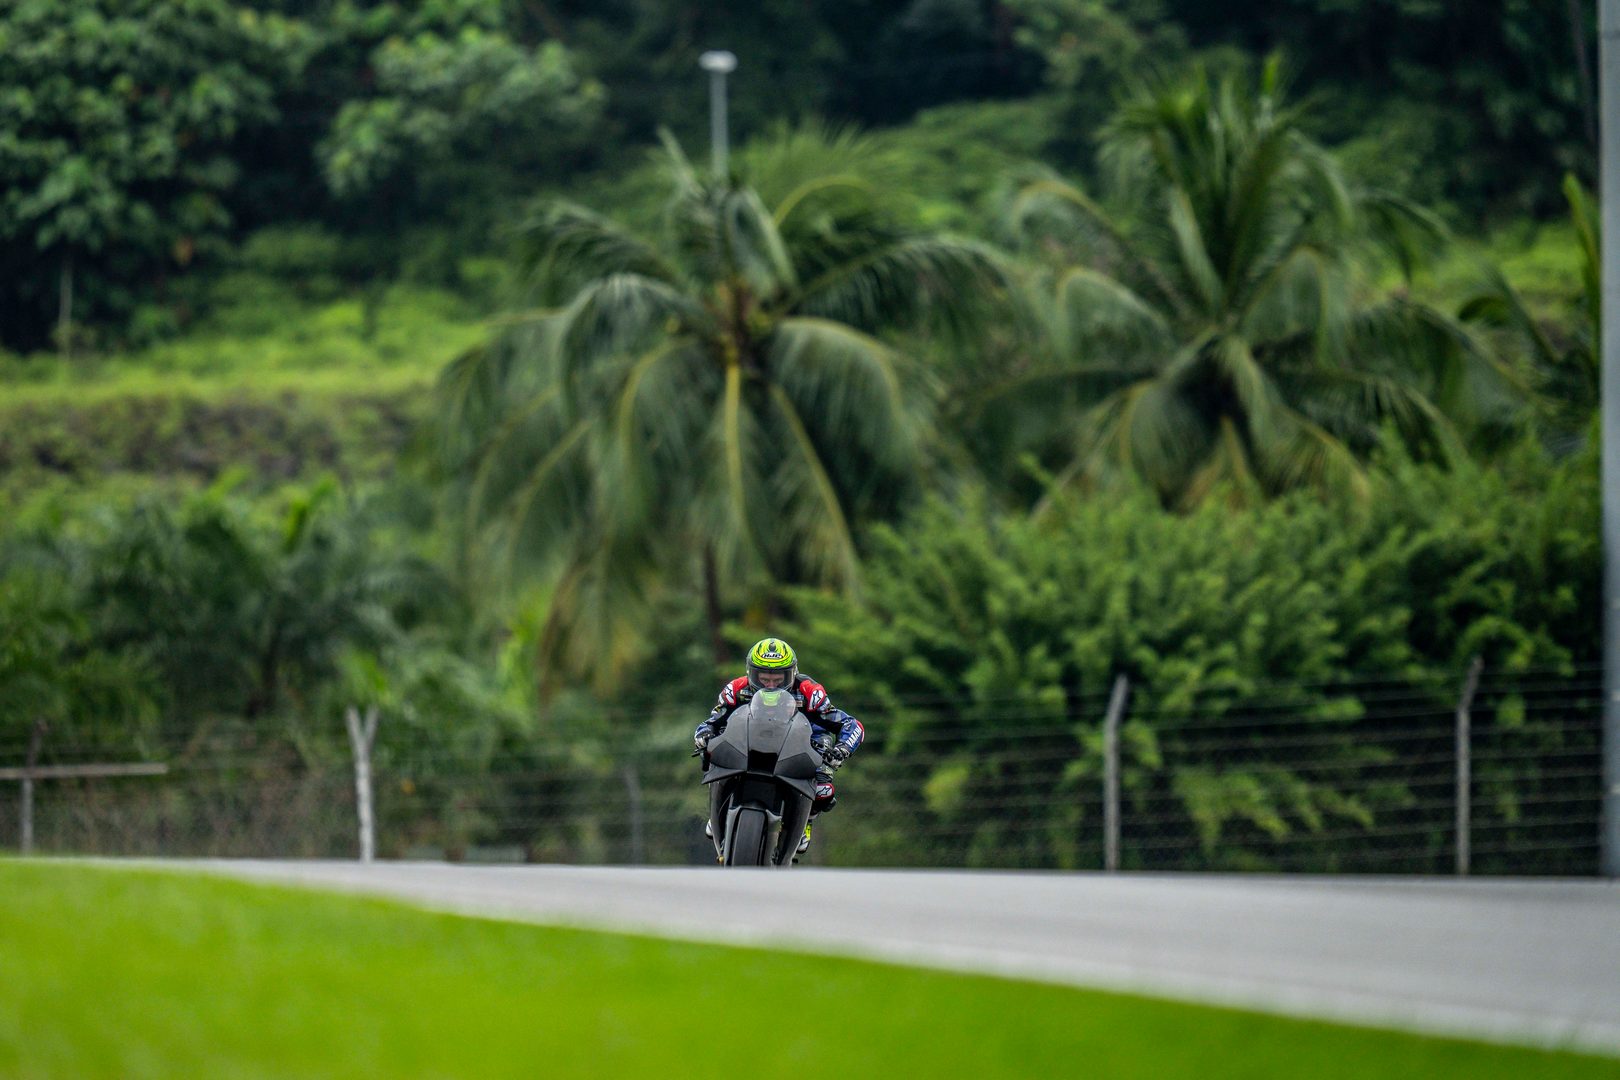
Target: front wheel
746	845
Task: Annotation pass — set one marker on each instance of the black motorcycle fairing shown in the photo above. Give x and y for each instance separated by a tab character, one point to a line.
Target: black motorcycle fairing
764	764
768	736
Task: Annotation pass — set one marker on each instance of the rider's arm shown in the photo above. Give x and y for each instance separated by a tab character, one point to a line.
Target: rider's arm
851	733
820	707
732	694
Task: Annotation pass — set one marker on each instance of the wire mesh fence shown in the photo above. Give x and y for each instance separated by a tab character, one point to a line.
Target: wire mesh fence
1350	777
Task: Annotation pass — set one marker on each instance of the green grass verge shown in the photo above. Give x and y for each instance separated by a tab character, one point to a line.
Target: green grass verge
267	343
126	973
293	392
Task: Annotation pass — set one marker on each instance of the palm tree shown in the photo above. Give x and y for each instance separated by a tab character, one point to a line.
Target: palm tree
1218	326
715	406
1562	354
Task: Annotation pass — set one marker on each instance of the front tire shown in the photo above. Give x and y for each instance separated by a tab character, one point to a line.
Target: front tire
746	845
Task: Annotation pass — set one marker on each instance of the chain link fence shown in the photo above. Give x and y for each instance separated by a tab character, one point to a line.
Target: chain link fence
1378	776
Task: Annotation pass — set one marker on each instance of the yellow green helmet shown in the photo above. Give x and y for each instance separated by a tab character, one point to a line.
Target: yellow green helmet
769	657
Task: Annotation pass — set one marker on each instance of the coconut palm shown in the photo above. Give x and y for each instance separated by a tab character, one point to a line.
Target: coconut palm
714	406
1562	353
1217	325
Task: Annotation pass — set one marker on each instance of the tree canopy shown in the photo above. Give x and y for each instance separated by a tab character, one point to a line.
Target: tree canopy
713	404
1220	327
116	151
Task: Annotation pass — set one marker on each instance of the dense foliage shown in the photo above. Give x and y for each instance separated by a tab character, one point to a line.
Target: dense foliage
716	404
397	375
142	137
1222	330
978	628
116	160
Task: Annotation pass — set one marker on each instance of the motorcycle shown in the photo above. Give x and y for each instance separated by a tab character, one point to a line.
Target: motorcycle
761	773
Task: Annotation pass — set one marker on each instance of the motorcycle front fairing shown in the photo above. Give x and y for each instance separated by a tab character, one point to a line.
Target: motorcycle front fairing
764	757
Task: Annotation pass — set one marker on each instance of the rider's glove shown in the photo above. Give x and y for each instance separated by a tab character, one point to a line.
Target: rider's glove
700	742
835	756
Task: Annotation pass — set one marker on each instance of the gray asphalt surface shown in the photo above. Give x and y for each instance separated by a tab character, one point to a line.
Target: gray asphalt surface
1520	961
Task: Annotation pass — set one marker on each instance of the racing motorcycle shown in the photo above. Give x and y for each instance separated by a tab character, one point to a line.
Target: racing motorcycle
761	773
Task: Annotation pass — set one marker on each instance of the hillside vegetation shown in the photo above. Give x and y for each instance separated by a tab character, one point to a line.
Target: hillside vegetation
413	356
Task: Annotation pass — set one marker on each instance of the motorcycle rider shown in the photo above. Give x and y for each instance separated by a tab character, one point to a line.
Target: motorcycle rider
773	665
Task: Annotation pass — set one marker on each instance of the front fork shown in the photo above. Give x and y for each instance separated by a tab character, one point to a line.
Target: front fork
725	821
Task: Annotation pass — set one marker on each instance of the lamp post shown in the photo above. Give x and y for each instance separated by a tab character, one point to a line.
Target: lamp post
718	63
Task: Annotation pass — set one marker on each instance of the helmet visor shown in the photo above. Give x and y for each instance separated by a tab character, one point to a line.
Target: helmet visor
771	680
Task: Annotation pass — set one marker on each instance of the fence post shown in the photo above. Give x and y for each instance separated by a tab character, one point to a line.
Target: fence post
1116	709
361	738
27	810
638	847
1465	763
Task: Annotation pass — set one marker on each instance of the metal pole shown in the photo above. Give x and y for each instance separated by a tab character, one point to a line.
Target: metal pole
34	740
717	122
1116	709
718	63
27	815
362	738
638	843
1609	402
1465	765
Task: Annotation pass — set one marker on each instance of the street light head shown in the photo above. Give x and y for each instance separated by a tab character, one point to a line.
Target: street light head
718	62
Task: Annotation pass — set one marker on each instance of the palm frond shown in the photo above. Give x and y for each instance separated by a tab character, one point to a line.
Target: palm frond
683	176
755	244
1402	228
1049	202
1303	294
596	618
791	161
1145	428
1323	184
616	315
1501	305
1228	465
1249	385
1584	215
1164	436
1466	377
1195	262
855	393
1341	399
500	449
564	246
1256	195
1092	382
545	504
1302	454
915	281
1104	321
653	425
724	235
813	504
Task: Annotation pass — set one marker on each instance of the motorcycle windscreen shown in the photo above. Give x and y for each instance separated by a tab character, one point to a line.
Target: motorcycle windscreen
770	735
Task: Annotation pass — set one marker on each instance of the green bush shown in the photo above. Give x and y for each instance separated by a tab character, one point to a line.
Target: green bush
985	646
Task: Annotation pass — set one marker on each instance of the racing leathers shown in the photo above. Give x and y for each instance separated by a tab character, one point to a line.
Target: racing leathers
832	730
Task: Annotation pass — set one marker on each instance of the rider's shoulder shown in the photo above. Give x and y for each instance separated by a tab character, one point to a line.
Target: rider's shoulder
734	691
814	694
